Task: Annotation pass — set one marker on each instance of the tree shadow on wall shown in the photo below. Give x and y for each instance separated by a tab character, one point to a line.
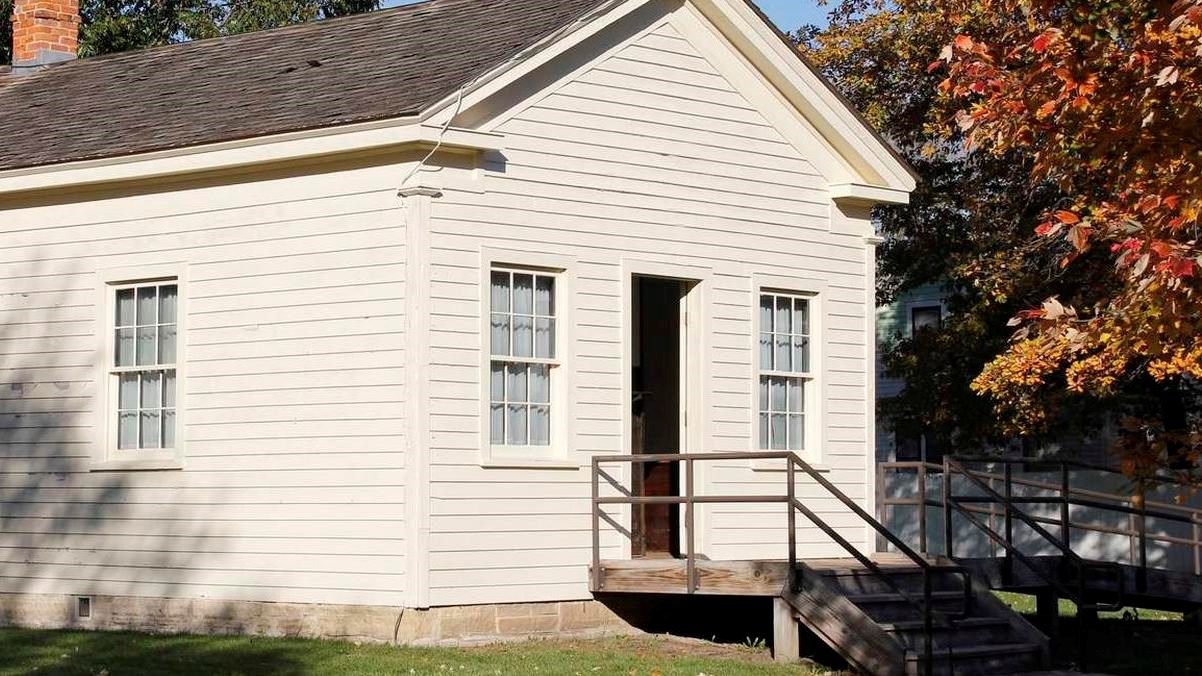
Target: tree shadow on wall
66	530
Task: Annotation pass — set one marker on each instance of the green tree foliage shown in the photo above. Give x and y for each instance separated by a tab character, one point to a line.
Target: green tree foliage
110	26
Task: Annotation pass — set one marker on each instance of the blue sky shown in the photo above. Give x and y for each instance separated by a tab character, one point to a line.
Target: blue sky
789	15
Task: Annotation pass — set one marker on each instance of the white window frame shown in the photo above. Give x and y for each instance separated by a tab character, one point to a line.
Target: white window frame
107	455
814	426
559	453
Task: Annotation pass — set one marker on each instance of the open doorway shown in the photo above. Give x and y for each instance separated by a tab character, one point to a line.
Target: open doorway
658	341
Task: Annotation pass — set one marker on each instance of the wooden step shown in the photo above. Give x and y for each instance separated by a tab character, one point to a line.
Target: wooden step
864	581
978	660
966	632
893	607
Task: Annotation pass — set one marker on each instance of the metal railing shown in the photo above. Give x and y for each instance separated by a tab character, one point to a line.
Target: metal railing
793	464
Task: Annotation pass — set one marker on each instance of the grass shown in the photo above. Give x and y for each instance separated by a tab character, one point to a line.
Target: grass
75	653
1133	642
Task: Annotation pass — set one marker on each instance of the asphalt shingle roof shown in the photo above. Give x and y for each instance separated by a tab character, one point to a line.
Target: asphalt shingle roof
383	64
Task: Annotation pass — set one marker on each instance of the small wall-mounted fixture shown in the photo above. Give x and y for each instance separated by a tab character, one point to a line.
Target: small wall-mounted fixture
83	607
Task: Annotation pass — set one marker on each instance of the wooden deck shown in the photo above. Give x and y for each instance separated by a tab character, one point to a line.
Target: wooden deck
718	578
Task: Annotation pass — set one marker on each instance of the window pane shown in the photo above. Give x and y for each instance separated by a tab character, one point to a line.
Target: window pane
152	388
796	396
150	429
516	386
523	294
764	431
168	428
523	336
540	425
766	351
125	308
515	424
127	396
544	296
500	291
500	335
540	384
125	347
801	355
497	424
778	394
778	432
766	304
127	430
764	393
796	433
801	317
784	314
784	352
167	344
167	304
147	350
169	389
147	306
544	338
922	318
497	384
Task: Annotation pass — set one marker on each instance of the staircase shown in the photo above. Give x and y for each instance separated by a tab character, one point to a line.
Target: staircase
881	632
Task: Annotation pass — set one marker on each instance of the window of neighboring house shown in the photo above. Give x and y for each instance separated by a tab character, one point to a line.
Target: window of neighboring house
926	317
922	448
524	359
785	374
143	369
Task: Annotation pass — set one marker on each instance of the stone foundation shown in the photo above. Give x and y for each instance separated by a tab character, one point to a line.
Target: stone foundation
457	625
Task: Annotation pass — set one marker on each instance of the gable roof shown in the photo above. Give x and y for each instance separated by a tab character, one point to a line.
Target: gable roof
385	64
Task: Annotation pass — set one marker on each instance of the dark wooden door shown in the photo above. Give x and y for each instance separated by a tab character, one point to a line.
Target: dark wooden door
656	411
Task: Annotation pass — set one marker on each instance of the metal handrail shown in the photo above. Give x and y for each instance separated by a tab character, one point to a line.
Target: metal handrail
792	463
1079	597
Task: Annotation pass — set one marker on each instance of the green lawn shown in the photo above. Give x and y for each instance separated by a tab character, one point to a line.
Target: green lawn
1129	643
72	653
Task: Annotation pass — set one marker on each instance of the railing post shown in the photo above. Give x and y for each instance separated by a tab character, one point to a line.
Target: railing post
1008	560
1065	533
948	549
690	540
1197	543
791	493
1141	574
596	581
922	508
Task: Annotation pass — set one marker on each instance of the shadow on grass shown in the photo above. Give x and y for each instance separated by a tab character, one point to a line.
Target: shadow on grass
1130	647
121	654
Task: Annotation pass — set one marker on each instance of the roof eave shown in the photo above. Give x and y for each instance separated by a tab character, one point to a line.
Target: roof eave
397	133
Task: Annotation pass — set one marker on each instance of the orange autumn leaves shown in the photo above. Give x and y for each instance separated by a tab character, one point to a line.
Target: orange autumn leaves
1107	99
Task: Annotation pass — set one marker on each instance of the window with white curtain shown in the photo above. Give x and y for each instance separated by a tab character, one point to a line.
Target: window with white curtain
785	375
142	372
524	359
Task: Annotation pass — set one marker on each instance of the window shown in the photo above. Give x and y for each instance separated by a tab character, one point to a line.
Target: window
926	317
142	371
523	362
785	370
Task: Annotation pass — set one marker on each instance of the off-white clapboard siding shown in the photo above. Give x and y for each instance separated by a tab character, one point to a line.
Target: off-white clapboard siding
294	481
651	154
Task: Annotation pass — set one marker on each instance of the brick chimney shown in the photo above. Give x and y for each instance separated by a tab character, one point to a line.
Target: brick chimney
44	32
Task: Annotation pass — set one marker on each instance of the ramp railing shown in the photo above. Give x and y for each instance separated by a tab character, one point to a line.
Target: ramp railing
793	466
